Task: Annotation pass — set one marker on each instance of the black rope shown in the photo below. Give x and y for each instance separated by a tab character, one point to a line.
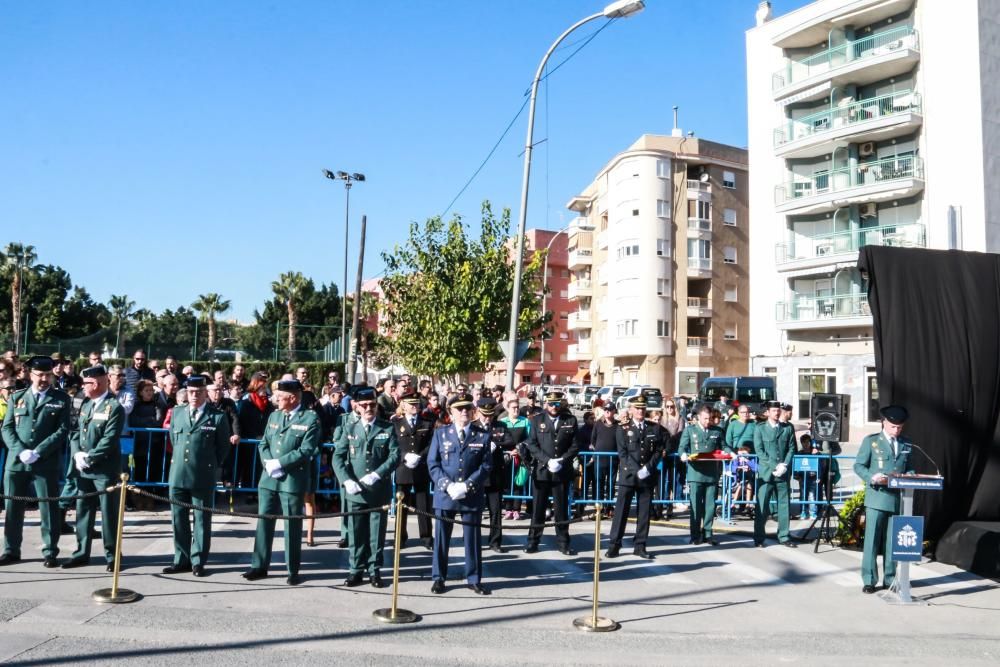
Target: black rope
52	499
486	526
254	515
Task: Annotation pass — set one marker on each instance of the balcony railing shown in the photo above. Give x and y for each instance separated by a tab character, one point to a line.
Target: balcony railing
895	168
878	44
833	307
699	263
856	112
699	225
695	184
909	235
579	318
581	349
701	342
698	302
580	257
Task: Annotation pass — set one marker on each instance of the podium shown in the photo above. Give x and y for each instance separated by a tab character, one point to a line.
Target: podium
907	534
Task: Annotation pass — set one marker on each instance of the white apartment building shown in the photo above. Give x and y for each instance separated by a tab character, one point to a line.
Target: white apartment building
659	270
870	122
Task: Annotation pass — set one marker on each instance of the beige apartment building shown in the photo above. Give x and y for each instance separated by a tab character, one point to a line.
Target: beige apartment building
659	287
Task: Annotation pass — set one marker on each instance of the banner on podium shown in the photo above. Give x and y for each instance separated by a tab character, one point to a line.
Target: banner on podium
907	538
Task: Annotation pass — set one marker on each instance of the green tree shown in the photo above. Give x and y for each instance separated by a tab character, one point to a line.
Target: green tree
288	288
209	305
19	264
447	297
121	309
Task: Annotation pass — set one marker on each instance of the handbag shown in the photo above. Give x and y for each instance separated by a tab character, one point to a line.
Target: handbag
521	476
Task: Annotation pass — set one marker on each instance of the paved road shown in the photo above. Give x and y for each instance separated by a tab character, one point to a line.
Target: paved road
695	605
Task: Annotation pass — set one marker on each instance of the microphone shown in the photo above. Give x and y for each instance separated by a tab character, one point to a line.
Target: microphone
924	452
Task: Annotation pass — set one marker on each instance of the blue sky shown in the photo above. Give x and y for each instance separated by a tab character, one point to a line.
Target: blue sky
163	150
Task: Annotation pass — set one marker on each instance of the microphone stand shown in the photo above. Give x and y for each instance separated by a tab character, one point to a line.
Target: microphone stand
826	532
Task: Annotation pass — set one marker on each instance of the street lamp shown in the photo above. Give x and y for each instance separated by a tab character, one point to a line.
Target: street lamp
348	180
619	9
545	280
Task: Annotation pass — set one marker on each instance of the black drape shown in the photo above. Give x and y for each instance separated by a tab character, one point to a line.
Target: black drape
937	352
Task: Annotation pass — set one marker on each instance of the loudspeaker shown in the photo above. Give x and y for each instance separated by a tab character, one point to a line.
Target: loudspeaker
831	417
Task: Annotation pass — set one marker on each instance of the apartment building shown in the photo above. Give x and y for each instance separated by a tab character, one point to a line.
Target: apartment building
871	122
659	264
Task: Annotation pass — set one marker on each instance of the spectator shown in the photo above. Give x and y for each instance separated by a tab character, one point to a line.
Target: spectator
386	401
254	409
168	395
147	456
234	390
186	373
240	377
95	358
331	410
219	380
674	423
170	365
601	473
116	379
138	371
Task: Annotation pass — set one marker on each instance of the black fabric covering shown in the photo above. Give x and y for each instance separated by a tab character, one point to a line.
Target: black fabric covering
937	352
972	546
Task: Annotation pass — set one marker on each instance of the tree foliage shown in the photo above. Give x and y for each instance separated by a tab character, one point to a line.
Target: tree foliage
448	295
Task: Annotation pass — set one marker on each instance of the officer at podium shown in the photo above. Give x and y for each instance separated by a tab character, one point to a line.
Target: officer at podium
882	454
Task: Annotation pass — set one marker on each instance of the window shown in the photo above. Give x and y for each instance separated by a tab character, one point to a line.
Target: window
548	356
814	381
626	328
729	333
699	209
662	328
663	168
699	249
525	379
729	255
563	335
662	208
662	286
628	249
728	179
729	216
731	293
563	315
662	248
564	273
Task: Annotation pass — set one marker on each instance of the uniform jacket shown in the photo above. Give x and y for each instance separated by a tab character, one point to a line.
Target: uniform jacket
200	448
638	448
295	443
358	453
875	456
696	440
42	426
773	445
501	447
450	461
413	440
100	431
740	433
546	443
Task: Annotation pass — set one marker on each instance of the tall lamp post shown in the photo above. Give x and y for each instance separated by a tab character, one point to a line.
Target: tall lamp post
618	9
545	280
349	180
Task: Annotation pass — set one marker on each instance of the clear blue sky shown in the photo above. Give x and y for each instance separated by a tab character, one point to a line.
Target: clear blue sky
163	150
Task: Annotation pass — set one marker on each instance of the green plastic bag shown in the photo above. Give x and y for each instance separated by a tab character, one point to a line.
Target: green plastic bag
521	477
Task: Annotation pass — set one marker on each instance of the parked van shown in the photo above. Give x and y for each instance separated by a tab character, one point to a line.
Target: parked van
749	390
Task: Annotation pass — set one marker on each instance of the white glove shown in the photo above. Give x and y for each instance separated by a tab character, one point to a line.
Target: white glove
80	460
352	487
684	457
370	479
554	465
270	465
457	490
643	473
879	478
780	470
28	456
493	447
411	460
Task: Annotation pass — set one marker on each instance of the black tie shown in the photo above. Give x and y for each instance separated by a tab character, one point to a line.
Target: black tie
413	422
461	436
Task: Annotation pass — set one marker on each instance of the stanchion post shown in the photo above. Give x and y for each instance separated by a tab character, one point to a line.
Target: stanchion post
595	623
114	594
394	614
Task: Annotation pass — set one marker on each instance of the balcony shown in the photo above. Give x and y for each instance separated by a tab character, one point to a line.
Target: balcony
824	312
699	226
873	119
579	258
699	346
889	178
814	251
602	239
696	186
699	267
580	288
861	61
579	351
580	319
699	307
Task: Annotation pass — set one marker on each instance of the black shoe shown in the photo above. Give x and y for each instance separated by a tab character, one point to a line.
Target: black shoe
78	561
95	535
759	545
613	551
695	541
531	549
790	544
642	553
176	569
438	587
50	561
353	580
428	544
198	571
567	551
342	543
868	590
376	581
9	559
479	589
711	540
66	528
110	567
293	580
253	574
496	548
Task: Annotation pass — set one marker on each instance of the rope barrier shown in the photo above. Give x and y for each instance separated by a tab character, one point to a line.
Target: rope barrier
486	526
52	499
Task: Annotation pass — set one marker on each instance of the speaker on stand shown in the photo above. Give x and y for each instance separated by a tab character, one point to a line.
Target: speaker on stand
831	425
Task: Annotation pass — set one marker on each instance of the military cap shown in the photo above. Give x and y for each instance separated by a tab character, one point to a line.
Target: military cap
97	371
39	363
554	397
498	387
773	404
293	386
638	402
460	401
336	389
786	406
364	394
610	407
487	405
895	414
198	381
531	394
411	397
57	356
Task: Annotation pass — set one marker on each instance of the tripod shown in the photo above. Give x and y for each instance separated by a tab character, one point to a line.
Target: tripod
826	515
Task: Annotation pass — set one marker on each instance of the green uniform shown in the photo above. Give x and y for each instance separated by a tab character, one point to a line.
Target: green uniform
41	424
101	424
360	451
201	447
702	476
773	444
876	455
294	441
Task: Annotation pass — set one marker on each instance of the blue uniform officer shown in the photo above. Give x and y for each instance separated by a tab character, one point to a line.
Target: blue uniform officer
459	463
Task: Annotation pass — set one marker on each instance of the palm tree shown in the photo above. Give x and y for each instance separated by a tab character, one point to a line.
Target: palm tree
121	308
210	304
20	258
288	288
